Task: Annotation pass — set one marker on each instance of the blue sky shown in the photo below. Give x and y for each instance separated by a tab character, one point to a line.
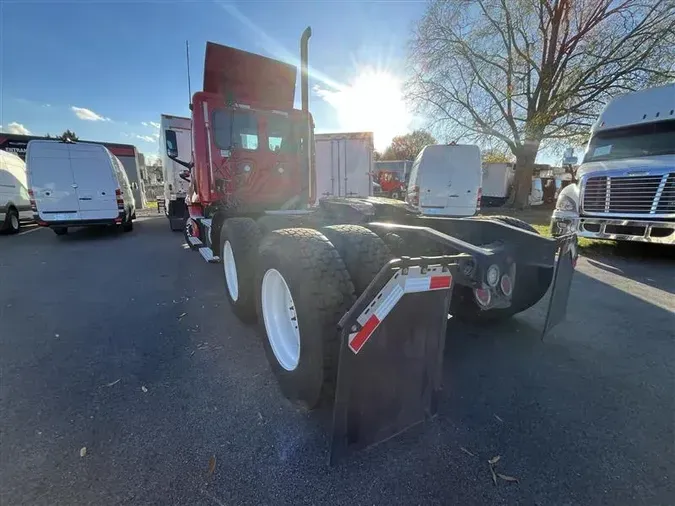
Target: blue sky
108	69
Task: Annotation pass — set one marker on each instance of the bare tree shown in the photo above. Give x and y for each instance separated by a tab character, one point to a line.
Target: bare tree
526	72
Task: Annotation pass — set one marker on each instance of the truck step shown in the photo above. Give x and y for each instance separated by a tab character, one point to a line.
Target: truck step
194	241
207	254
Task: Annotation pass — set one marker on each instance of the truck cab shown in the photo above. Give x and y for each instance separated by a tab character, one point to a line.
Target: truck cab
250	147
626	181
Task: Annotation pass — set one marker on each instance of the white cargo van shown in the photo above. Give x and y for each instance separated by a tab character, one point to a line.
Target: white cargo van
14	201
78	184
344	164
445	180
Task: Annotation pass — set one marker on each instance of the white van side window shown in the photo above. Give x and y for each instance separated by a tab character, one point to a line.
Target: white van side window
414	172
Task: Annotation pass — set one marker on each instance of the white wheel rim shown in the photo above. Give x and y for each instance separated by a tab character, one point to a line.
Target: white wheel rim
281	321
14	221
230	268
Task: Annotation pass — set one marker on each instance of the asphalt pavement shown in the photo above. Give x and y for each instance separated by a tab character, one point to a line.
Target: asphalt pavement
126	379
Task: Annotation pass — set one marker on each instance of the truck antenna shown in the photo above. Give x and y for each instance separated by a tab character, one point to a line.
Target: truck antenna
187	57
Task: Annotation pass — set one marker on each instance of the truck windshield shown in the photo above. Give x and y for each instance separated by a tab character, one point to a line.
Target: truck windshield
235	129
652	139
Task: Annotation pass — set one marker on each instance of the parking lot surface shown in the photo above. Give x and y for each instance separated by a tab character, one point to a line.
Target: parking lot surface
125	379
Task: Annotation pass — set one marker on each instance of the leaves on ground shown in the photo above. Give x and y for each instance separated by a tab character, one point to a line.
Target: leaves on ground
507	478
83	451
466	451
212	465
494	476
494	460
113	383
180	316
145	390
499	419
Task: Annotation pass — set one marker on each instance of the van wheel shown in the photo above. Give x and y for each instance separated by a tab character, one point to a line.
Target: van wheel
239	239
303	289
12	223
60	230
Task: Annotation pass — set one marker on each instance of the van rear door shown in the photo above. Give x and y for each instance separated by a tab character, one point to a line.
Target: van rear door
450	179
51	180
94	181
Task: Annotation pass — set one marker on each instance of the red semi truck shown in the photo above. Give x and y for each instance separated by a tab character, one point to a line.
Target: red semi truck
352	295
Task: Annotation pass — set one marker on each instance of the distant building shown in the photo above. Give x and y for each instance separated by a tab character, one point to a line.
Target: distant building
132	160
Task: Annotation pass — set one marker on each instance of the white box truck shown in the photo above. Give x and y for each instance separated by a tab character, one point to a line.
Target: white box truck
344	164
497	180
626	188
175	142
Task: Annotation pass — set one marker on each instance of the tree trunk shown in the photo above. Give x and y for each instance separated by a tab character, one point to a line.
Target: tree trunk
523	179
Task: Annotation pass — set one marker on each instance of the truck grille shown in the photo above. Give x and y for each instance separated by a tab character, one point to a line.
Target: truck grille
649	195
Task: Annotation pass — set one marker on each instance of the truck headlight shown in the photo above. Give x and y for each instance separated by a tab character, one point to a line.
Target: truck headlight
565	203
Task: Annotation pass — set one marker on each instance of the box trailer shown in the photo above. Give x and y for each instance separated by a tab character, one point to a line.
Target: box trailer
344	164
175	142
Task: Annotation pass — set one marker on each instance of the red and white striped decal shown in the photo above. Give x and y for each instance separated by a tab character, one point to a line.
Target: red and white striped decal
414	281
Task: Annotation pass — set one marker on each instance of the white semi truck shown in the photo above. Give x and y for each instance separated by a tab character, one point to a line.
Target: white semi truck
626	182
175	142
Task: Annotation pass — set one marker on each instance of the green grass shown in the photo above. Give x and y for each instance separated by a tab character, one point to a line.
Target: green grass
151	204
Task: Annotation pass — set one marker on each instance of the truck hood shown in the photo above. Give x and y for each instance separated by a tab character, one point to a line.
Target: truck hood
247	78
653	164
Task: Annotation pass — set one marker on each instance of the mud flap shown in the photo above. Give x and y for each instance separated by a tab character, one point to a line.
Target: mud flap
391	354
562	281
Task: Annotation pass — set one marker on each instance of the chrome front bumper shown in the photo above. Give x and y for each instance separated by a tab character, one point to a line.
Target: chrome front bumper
658	232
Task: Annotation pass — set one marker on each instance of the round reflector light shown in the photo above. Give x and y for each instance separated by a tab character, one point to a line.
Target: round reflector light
493	275
506	285
483	296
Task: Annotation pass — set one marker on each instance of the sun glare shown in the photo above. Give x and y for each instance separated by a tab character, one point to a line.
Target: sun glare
373	102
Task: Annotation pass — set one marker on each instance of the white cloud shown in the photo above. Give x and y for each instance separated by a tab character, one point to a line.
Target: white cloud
150	158
17	128
144	123
148	138
87	114
156	125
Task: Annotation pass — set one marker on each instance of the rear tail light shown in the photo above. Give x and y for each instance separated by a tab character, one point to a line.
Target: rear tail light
483	296
414	196
31	196
506	285
120	199
479	196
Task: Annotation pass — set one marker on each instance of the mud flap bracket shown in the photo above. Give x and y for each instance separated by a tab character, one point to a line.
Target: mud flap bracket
391	353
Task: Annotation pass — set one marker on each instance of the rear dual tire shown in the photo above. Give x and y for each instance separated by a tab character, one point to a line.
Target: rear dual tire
239	239
299	282
303	288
